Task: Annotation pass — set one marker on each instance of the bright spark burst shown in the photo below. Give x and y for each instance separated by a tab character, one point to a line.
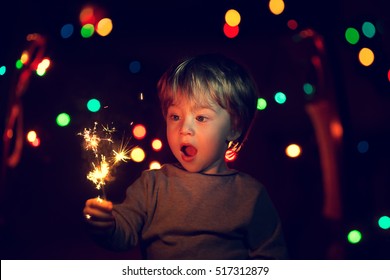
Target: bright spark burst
123	152
99	145
99	174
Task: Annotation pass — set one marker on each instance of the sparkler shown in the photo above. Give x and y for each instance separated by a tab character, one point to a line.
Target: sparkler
105	154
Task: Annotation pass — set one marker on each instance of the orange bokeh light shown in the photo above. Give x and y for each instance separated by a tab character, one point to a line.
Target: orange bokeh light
139	131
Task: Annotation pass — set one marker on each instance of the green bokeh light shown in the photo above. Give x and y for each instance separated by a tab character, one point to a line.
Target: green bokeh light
352	35
93	105
87	30
261	104
19	64
354	236
63	119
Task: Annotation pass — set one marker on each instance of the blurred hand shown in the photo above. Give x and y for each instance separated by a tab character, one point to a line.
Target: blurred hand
98	213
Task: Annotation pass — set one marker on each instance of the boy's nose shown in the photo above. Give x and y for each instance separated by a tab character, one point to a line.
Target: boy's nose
187	127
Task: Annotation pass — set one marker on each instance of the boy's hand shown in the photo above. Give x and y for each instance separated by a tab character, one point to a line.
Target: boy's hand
98	213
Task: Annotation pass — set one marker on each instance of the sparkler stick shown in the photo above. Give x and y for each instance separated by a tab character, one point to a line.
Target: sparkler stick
106	155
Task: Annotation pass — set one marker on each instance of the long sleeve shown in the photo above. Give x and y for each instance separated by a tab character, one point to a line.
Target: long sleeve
265	236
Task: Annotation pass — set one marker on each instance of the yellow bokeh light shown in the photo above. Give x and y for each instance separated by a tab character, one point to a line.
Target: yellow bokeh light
137	154
31	136
104	27
293	150
45	63
42	66
154	165
276	6
25	57
366	56
156	144
232	17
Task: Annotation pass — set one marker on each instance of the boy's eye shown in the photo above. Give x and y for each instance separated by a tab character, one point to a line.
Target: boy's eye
201	118
174	117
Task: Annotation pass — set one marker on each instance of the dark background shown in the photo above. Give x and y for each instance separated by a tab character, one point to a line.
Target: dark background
43	196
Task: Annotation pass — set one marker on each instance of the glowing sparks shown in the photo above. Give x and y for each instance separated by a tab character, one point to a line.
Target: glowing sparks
91	139
123	153
100	142
99	173
121	156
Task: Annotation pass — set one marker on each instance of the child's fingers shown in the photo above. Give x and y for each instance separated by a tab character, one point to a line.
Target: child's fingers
98	211
97	203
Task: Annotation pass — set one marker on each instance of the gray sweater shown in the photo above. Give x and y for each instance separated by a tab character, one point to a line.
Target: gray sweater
181	215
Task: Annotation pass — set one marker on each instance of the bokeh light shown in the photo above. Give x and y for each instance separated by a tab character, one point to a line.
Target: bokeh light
3	69
352	35
280	97
154	165
292	24
139	131
261	104
25	57
354	236
63	119
362	147
232	17
384	222
366	56
135	66
276	6
156	145
67	31
336	129
368	29
293	150
87	15
93	105
87	30
31	136
137	154
36	142
308	88
104	27
230	31
19	64
43	66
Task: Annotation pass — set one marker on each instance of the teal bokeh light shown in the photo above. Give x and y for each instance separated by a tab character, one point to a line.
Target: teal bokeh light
93	105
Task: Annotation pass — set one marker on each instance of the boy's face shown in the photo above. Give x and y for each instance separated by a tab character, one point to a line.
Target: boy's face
198	135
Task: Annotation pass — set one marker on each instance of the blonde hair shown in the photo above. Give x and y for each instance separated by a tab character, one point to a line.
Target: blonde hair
212	77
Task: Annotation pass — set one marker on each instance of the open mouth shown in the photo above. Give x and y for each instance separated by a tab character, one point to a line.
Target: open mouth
188	150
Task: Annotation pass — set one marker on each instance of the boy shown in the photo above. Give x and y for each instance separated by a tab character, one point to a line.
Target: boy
197	208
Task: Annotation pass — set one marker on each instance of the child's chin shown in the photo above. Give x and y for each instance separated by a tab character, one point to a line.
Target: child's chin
190	167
